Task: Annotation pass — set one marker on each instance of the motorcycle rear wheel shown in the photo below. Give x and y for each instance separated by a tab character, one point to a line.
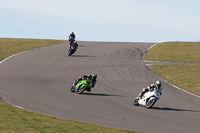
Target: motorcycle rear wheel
150	103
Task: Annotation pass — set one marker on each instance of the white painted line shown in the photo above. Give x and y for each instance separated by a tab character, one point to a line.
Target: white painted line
180	88
164	79
152	46
1	63
12	104
11	56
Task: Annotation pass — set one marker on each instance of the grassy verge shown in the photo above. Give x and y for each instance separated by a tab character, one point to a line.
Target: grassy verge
15	120
10	46
174	51
184	76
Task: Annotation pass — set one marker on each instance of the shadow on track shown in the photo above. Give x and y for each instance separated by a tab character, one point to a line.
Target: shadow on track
82	56
100	94
83	46
171	109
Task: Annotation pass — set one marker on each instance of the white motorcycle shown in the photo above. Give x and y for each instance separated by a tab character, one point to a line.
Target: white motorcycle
148	99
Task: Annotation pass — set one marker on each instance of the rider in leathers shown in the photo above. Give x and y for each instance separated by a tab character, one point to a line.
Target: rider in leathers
71	41
71	38
151	88
92	77
72	35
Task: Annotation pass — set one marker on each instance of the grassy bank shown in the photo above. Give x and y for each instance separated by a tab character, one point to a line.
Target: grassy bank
175	52
15	120
184	76
10	46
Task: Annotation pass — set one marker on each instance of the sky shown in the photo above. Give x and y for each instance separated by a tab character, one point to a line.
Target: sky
101	20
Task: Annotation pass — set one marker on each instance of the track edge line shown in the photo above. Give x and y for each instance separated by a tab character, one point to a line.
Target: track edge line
162	78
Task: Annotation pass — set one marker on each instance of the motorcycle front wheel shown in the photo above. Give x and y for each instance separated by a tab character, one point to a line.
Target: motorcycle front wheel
70	53
81	90
135	102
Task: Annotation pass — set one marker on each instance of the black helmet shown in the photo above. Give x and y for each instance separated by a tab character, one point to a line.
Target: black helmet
94	76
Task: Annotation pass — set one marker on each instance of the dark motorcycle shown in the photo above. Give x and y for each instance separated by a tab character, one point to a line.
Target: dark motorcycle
72	49
73	46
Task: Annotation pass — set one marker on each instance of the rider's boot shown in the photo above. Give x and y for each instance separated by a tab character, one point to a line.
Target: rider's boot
72	89
89	89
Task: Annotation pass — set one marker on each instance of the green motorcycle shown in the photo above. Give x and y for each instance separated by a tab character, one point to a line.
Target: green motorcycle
81	86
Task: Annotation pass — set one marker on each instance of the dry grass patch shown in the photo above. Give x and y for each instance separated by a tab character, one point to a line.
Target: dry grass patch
184	76
10	46
15	120
175	52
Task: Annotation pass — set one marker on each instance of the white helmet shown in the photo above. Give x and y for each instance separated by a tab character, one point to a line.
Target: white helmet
158	83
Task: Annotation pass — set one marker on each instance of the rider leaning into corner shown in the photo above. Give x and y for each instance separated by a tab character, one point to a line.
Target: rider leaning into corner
92	77
151	88
72	35
72	39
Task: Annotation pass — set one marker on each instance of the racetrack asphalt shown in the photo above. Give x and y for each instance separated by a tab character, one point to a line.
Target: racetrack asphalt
40	80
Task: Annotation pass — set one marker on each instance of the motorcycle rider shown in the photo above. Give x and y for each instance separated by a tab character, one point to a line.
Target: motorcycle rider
72	35
91	78
71	41
151	88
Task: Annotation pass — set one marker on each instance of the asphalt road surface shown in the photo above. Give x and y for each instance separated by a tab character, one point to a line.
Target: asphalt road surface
40	80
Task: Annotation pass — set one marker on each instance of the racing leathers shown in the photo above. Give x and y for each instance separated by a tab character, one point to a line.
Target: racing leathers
84	77
72	35
150	88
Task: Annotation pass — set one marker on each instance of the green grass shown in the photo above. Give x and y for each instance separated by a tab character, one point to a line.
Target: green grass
184	76
175	52
10	46
15	120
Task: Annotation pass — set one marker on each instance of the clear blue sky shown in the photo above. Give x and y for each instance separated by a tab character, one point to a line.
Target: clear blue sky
102	20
